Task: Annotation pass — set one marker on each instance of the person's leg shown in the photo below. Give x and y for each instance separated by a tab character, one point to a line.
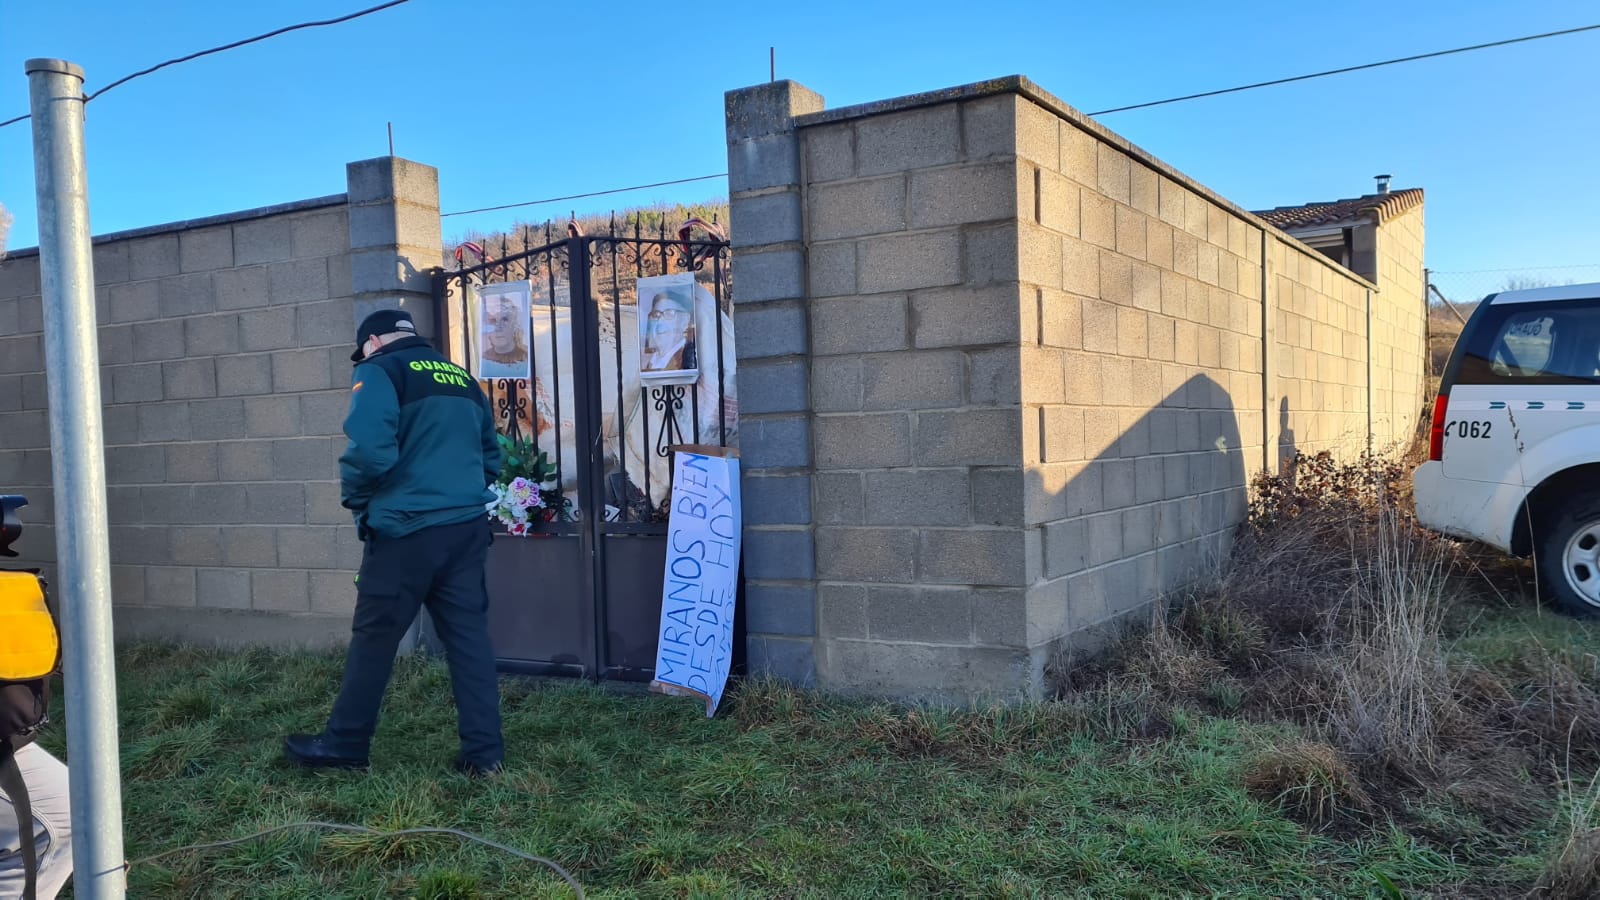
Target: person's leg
388	595
46	778
459	603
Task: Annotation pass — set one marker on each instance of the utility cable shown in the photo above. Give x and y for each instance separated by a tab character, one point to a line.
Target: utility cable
1387	62
360	829
236	44
623	190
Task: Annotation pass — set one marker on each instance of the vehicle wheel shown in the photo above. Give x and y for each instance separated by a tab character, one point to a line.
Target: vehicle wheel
1569	556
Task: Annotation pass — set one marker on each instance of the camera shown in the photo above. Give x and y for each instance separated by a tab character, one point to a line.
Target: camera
10	522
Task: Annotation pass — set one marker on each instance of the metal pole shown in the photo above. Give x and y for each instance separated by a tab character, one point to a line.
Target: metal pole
72	365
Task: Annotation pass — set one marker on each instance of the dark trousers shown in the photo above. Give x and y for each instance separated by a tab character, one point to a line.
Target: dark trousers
441	567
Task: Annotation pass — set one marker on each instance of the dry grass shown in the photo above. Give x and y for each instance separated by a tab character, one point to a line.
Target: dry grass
1574	868
1310	779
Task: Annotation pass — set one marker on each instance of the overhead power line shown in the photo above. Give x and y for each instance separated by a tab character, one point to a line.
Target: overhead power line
1387	62
236	44
637	187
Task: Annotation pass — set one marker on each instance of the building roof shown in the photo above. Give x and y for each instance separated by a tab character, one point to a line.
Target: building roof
1386	206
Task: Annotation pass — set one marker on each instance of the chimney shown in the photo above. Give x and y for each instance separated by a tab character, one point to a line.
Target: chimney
1383	183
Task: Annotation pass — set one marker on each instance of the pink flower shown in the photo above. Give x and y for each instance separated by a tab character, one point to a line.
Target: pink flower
520	492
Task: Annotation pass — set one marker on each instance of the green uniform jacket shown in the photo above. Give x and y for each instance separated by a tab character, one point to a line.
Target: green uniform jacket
423	449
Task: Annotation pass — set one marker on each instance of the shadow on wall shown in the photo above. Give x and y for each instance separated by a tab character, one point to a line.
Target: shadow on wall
1154	511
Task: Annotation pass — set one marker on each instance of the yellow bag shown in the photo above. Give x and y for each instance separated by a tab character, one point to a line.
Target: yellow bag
30	647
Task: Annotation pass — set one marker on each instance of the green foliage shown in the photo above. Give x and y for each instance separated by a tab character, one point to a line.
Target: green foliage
520	459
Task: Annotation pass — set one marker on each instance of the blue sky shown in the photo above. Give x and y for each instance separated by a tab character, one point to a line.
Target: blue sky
517	101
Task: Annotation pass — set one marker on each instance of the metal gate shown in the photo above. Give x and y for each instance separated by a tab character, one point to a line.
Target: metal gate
580	593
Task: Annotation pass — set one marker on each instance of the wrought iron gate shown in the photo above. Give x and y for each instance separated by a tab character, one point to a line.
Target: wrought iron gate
580	593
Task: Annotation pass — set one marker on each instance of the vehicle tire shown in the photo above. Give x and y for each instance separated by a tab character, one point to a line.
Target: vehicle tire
1568	555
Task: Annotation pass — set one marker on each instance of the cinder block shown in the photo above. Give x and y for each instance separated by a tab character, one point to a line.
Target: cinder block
1080	155
245	461
842	610
832	270
1195	214
775	443
967	317
297	281
1085	492
773	387
989	128
772	555
931	616
858	325
973	556
310	547
195	546
775	329
24	430
11	392
22	354
135	384
272	416
766	219
141	546
324	413
276	503
300	370
321	233
262	240
164	422
1063	434
777	500
979	437
127	585
1058	202
856	208
322	503
188	379
332	592
997	495
137	464
875	555
303	459
766	162
240	288
111	266
1098	224
244	375
169	586
1060	320
865	441
909	140
994	377
153	257
790	659
191	462
158	340
909	261
135	302
211	335
249	546
280	590
829	151
205	249
1133	335
918	497
781	609
836	385
328	322
839	498
983	192
1114	181
216	420
1066	547
224	588
1131	232
912	380
769	275
993	253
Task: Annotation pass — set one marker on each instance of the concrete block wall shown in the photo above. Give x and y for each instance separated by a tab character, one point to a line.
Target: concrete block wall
1399	329
224	352
1040	366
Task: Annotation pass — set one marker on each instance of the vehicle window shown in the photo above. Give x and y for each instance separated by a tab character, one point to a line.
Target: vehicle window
1555	343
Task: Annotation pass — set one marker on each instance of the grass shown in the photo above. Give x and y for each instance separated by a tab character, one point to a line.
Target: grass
1354	705
788	794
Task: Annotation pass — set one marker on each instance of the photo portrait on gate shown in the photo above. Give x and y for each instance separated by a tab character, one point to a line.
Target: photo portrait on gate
667	347
504	328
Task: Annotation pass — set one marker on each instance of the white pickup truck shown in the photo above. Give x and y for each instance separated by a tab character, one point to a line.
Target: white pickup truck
1514	460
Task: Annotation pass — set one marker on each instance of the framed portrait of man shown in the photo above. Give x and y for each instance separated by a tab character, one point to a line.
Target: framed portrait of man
668	352
504	327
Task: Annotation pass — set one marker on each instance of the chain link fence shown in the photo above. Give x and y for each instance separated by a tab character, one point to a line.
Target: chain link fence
1452	296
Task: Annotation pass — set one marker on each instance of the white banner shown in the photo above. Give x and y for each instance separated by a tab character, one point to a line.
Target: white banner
701	578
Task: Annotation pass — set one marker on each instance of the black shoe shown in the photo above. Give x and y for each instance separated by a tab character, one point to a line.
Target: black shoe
314	752
478	770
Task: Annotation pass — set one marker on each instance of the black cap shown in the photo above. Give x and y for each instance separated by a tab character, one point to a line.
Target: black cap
384	321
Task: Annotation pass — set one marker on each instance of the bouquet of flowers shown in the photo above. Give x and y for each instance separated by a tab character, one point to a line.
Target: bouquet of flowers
526	491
